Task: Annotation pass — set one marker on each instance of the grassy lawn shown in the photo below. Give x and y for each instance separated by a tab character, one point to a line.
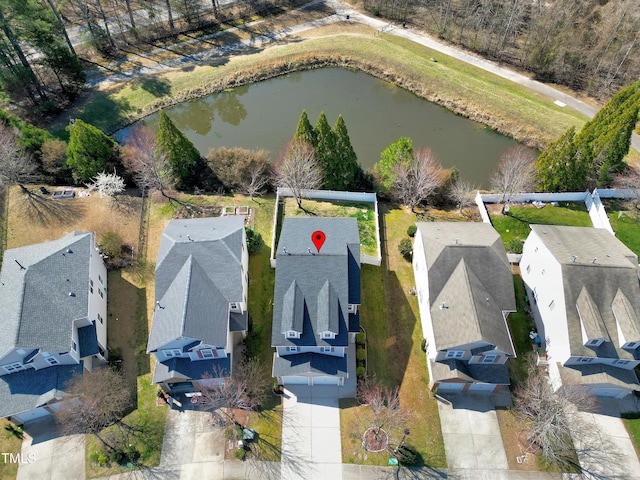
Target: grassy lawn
625	222
362	211
519	326
516	223
9	443
390	316
633	427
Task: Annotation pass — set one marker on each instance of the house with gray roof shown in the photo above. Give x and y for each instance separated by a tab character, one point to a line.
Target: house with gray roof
200	313
465	292
316	298
53	322
582	284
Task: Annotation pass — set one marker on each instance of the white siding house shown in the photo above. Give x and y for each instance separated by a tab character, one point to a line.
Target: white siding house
201	302
465	292
582	284
54	322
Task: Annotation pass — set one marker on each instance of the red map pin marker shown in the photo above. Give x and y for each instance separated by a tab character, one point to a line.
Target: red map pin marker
318	239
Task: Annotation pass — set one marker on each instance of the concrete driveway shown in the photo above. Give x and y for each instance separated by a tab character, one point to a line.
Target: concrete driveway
47	456
472	438
311	446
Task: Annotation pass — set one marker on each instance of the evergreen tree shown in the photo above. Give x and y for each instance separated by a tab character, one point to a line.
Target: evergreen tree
348	171
304	130
326	153
398	153
182	155
556	167
90	151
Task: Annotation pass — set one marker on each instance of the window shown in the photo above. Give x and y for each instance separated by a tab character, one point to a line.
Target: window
101	293
100	279
595	342
585	359
327	335
489	358
74	346
13	367
455	353
351	308
621	362
292	349
100	319
91	285
327	349
631	345
52	360
528	268
292	334
172	352
234	306
207	353
536	250
543	271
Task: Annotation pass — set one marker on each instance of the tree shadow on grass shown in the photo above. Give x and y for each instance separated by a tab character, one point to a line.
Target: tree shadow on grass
47	211
158	87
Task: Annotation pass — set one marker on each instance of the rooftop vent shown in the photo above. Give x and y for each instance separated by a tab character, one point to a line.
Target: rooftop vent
443	305
594	259
19	264
457	241
574	259
69	250
71	294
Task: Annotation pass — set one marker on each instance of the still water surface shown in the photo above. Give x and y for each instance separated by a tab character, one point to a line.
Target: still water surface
264	115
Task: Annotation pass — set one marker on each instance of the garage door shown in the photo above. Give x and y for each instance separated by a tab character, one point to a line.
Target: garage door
31	415
295	380
325	380
481	387
450	387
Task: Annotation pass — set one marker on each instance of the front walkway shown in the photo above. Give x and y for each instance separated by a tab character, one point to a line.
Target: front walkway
311	446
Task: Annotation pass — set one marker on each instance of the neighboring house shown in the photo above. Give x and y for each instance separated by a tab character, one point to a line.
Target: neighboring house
53	322
316	298
201	301
465	292
582	283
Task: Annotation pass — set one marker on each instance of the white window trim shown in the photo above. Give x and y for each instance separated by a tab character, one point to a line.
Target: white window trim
631	345
206	353
491	358
327	335
292	334
14	367
455	353
52	360
291	349
585	359
351	308
327	349
172	352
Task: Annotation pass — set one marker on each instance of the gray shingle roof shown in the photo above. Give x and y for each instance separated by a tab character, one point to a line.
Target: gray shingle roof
37	310
469	273
312	364
184	370
22	391
87	341
469	372
598	374
594	290
312	291
198	274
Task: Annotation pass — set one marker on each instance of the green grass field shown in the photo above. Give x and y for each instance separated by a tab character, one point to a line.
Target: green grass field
626	224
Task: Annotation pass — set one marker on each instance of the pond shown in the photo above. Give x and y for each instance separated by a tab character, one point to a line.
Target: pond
265	115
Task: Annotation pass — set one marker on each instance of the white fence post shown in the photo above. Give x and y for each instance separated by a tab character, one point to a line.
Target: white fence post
482	208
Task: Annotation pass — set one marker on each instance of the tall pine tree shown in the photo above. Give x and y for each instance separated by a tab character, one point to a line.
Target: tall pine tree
304	130
348	172
182	155
558	168
326	153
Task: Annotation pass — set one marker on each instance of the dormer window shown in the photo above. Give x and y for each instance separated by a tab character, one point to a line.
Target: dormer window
172	352
234	307
489	358
351	308
13	367
292	349
455	353
595	342
207	353
52	360
631	345
327	335
292	334
585	359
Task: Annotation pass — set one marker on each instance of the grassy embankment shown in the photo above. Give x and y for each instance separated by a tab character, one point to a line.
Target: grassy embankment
502	105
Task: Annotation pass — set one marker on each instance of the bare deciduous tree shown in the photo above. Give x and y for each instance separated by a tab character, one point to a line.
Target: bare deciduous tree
96	400
149	167
16	167
298	169
630	181
462	193
246	389
107	184
256	179
418	178
515	173
549	418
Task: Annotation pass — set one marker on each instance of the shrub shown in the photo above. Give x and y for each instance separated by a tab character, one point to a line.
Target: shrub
254	241
361	338
360	372
240	453
408	455
411	231
361	354
405	249
514	246
423	344
111	246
